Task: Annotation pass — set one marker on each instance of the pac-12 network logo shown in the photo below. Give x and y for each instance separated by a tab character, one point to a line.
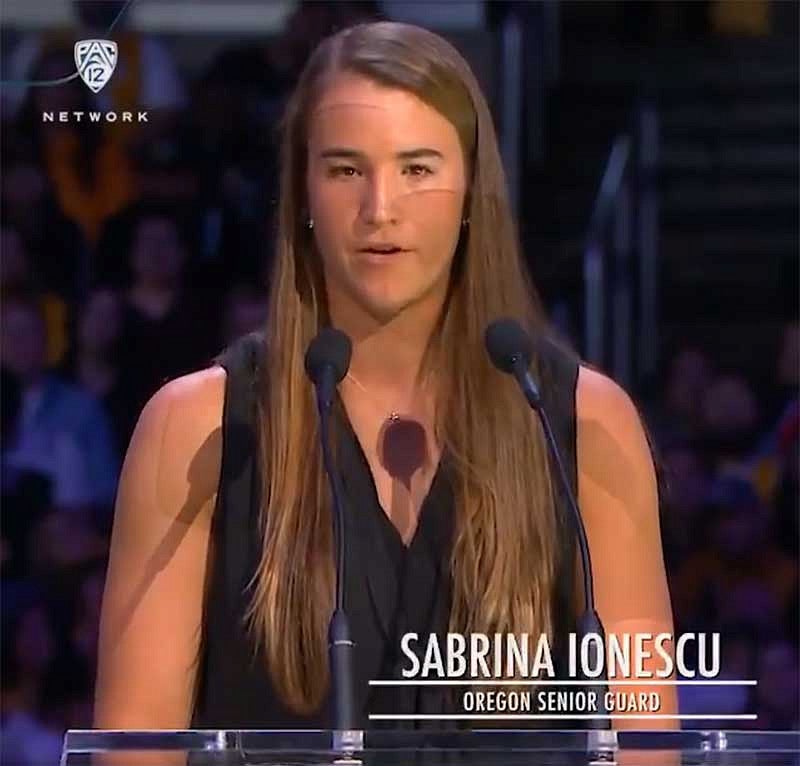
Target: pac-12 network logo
96	61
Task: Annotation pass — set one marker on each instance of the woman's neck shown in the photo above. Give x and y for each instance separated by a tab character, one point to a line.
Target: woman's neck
388	356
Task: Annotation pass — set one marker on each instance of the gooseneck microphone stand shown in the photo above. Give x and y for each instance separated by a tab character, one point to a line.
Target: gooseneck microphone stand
510	349
327	361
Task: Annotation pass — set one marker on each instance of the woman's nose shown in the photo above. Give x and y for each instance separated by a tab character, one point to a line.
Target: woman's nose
378	204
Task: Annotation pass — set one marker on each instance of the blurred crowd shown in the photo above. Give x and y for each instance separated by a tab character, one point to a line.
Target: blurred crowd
727	451
133	253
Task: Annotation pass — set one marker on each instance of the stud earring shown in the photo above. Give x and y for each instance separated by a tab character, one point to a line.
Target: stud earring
310	223
465	222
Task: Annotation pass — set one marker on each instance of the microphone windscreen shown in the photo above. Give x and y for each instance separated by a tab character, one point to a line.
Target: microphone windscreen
506	341
331	348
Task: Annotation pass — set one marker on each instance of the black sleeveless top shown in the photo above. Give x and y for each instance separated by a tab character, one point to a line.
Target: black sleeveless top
390	589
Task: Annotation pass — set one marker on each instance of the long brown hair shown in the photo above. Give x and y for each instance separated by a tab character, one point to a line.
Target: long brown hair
504	552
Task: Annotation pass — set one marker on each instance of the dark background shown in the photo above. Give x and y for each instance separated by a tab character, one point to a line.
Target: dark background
131	254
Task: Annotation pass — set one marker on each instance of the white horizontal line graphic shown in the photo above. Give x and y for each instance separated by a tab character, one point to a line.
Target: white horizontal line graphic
546	717
548	682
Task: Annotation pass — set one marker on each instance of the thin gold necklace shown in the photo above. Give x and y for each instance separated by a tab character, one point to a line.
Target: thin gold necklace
393	416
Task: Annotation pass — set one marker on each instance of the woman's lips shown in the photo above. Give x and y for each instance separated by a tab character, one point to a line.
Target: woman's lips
382	250
380	256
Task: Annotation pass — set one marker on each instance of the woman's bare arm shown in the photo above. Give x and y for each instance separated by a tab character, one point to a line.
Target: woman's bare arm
618	497
159	558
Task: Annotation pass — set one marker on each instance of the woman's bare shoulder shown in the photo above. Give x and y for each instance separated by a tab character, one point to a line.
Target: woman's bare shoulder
197	395
178	439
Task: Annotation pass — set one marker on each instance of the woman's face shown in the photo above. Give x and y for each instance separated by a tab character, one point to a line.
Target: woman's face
384	170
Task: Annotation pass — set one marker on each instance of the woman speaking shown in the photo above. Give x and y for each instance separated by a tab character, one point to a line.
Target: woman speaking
395	228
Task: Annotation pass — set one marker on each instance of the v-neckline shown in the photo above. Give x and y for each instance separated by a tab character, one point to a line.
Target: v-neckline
373	487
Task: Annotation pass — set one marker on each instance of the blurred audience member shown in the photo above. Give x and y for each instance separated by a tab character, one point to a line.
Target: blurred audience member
26	739
678	415
29	645
168	329
45	689
95	363
61	431
730	421
24	503
237	99
165	171
62	546
17	276
54	245
741	576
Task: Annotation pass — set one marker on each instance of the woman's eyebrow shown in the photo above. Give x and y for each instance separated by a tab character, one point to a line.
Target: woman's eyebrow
341	152
415	154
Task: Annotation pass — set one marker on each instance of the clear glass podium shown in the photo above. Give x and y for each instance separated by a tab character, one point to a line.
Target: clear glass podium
488	747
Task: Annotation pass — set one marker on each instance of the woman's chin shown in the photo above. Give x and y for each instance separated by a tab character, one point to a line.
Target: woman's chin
385	308
384	301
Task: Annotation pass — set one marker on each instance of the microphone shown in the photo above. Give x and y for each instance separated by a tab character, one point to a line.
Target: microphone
511	349
326	362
